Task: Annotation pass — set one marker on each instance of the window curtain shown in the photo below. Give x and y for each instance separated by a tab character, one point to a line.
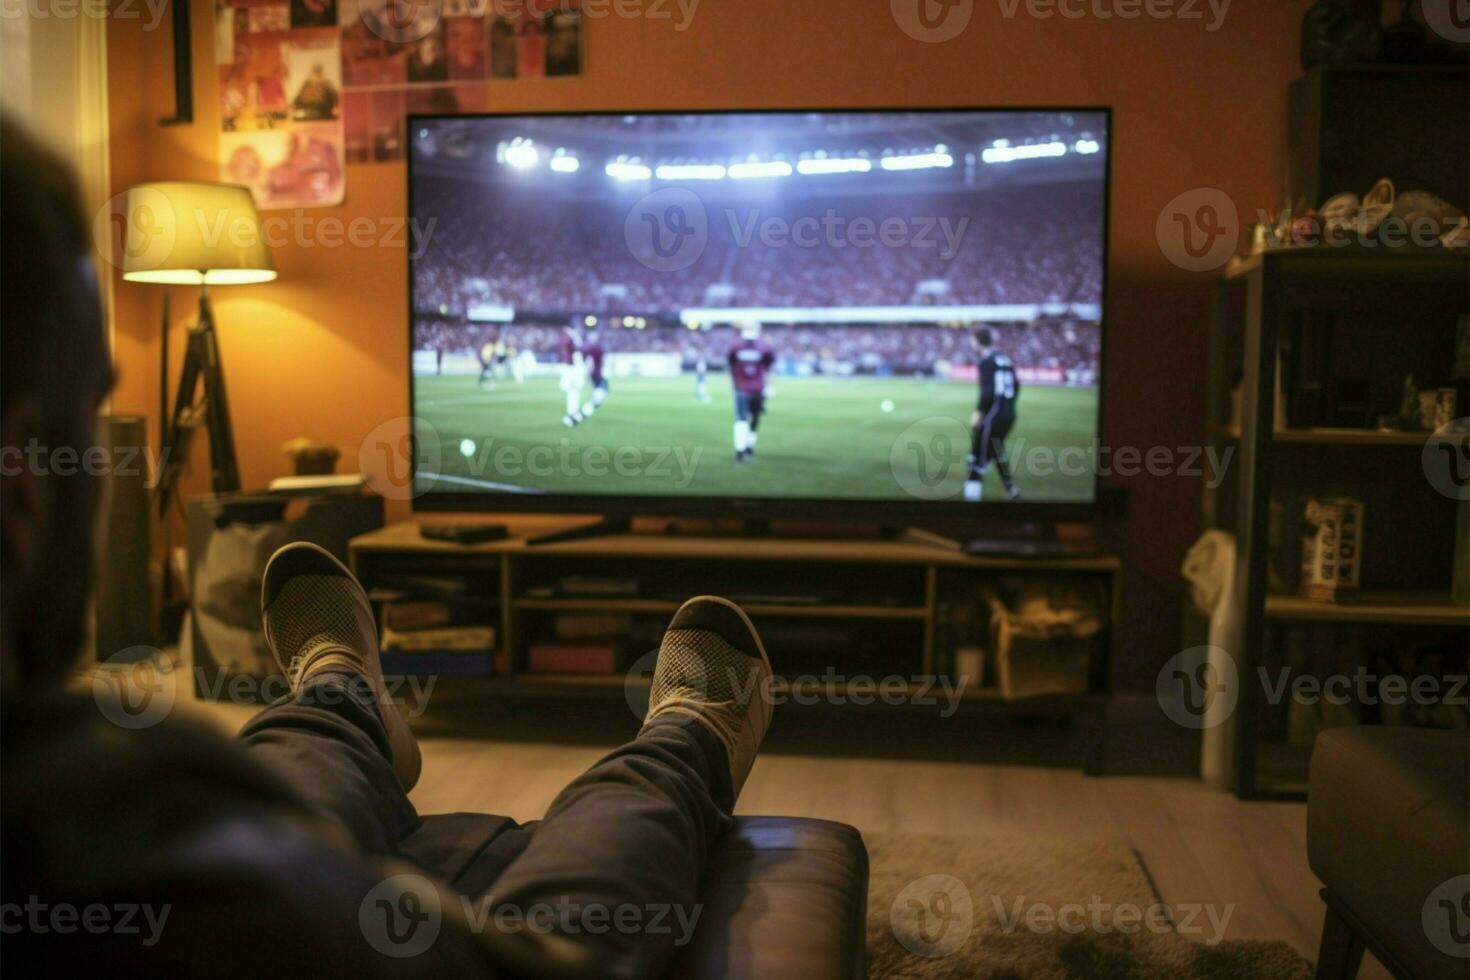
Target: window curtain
53	79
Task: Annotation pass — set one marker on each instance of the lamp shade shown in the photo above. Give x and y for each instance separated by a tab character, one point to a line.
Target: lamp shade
195	233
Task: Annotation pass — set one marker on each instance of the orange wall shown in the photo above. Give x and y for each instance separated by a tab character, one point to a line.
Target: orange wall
322	351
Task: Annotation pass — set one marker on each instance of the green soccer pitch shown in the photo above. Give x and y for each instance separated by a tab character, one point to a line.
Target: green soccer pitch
875	438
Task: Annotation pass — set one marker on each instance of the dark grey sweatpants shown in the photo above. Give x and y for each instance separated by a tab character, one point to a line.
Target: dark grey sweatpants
614	867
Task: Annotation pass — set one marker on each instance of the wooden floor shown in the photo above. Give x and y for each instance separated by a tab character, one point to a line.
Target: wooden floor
1199	845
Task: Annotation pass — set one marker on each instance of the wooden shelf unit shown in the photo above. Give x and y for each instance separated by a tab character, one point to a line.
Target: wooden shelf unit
400	550
1255	302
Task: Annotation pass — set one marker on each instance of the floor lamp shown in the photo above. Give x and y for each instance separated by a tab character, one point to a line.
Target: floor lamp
187	233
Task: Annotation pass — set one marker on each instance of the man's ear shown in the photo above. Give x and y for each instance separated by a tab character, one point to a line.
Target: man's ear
22	496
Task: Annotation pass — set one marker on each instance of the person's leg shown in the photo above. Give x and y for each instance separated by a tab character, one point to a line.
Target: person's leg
981	450
615	865
328	740
1000	432
757	409
742	424
336	737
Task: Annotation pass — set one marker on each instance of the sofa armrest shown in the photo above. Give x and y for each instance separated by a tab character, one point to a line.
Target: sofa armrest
784	899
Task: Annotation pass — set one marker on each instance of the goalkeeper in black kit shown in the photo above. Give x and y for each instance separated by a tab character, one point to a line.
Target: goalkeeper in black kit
994	417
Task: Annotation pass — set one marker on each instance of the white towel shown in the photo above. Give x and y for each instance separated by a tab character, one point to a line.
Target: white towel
1209	567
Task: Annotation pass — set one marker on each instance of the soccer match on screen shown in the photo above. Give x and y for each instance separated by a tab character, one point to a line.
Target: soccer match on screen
796	305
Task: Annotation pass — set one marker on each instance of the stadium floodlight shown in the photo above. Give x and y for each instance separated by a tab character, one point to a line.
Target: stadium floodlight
917	161
627	170
564	163
1030	151
1086	146
690	171
834	165
522	154
770	168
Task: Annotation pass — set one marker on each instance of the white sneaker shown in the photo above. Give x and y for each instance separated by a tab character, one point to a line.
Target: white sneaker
713	668
317	618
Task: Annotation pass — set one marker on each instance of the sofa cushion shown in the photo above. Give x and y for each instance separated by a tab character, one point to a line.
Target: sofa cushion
784	899
1388	823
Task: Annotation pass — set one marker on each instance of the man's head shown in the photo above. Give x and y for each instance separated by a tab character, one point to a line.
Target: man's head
983	338
54	373
750	329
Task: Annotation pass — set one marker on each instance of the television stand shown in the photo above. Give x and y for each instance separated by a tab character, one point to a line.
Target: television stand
842	615
597	529
746	528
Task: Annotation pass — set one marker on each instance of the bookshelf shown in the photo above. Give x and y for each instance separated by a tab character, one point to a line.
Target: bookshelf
1387	311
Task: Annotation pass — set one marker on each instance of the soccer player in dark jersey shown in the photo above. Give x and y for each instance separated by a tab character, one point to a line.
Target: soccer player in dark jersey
593	355
750	361
994	417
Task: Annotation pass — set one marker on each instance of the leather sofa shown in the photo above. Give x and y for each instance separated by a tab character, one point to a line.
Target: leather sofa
784	899
1388	833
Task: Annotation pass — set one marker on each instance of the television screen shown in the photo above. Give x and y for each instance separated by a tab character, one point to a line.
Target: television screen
852	308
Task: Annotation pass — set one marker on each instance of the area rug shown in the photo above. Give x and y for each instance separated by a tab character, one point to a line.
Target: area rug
1018	907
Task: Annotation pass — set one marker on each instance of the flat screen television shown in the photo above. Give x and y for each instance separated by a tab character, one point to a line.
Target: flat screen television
877	315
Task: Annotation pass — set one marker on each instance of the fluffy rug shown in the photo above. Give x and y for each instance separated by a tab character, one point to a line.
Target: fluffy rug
1016	907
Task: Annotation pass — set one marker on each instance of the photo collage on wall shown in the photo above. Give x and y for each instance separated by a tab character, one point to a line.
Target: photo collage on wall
280	82
438	57
307	86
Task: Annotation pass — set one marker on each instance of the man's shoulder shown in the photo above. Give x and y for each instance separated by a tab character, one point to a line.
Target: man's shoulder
211	857
68	766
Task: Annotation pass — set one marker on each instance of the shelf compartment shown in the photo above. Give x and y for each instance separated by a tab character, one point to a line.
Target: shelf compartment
1345	437
814	611
1399	608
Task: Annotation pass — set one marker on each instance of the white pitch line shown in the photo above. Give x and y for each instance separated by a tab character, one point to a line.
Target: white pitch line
482	484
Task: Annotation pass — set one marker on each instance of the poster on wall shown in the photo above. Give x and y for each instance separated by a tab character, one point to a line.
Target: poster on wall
280	91
307	86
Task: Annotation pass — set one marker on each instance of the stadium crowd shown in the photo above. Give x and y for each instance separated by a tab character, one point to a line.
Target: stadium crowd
541	253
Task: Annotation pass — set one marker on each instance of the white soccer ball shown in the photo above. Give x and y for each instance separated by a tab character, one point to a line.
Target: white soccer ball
887	405
467	447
